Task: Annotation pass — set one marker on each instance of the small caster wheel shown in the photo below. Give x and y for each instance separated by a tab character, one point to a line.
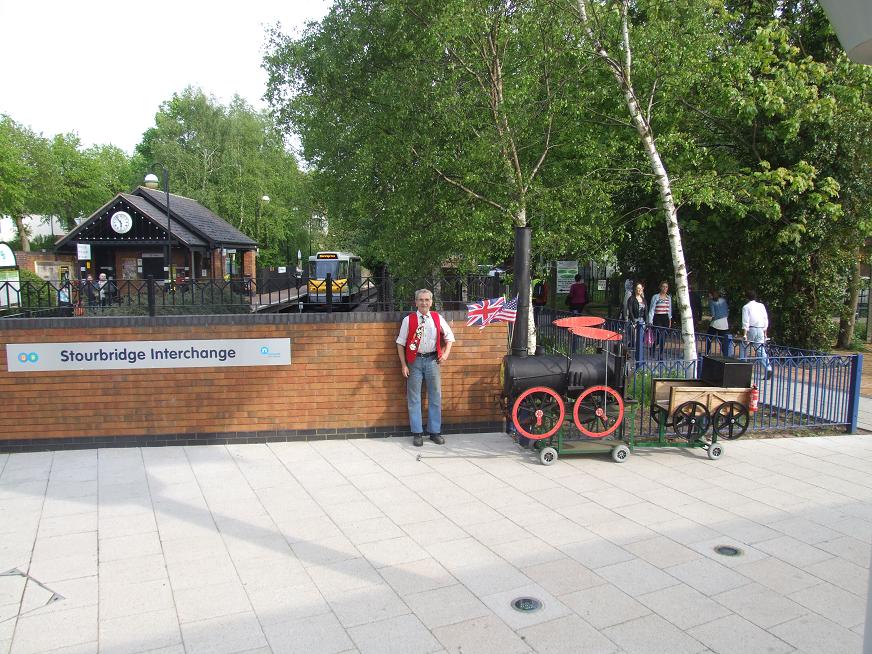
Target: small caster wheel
715	451
547	456
620	453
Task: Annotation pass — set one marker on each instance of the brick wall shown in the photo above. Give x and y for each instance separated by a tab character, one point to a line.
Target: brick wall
344	380
28	260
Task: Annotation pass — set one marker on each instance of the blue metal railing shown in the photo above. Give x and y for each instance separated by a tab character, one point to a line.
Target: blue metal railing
806	388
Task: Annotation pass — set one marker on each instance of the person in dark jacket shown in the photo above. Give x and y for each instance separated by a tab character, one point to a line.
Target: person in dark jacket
637	312
577	296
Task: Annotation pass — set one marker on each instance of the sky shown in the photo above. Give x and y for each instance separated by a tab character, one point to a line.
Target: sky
101	68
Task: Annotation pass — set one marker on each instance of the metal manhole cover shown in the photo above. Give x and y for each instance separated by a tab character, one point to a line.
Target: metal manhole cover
728	550
526	604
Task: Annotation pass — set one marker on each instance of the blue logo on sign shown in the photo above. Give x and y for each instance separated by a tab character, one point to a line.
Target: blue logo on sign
28	357
265	351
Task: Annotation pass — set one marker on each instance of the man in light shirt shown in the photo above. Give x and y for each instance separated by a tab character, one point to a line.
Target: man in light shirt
424	342
755	322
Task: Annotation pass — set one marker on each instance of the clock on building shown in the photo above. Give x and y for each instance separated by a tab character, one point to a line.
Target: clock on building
121	222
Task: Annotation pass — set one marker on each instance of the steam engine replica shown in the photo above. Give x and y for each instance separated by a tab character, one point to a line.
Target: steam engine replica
541	390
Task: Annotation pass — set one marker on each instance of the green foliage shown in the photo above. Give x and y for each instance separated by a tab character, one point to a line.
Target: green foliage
55	176
434	127
227	158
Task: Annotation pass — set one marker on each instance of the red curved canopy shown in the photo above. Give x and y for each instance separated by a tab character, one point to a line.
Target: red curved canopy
579	321
596	333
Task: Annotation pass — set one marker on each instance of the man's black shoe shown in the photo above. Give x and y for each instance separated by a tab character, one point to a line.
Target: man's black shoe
437	438
418	440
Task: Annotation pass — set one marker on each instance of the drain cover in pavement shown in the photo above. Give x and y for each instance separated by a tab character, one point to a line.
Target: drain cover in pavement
526	604
728	550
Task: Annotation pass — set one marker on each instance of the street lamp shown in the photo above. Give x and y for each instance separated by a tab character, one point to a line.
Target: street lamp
152	183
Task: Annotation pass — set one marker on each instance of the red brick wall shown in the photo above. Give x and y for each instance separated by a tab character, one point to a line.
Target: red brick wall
342	375
27	261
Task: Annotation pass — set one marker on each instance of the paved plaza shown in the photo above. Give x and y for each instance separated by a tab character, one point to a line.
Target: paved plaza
374	546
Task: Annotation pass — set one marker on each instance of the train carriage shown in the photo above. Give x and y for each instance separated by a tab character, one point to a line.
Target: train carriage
345	273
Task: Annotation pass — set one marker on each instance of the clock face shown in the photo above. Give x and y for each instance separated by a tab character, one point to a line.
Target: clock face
121	222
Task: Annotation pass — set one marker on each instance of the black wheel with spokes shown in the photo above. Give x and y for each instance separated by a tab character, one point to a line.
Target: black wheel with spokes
691	421
730	420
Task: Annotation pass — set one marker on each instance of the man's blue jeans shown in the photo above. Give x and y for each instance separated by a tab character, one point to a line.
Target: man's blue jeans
755	337
424	369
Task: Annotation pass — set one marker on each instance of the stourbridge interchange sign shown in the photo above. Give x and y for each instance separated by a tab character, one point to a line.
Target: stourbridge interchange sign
117	355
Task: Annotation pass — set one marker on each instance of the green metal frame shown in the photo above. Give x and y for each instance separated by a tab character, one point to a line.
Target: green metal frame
623	435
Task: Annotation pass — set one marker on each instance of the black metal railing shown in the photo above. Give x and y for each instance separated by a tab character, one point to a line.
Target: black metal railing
290	293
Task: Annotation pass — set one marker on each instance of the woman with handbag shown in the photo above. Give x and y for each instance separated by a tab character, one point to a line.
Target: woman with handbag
637	310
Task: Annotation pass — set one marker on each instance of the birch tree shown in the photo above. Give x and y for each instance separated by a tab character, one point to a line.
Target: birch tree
620	65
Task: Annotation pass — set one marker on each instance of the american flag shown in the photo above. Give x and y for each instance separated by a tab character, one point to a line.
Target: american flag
508	311
483	312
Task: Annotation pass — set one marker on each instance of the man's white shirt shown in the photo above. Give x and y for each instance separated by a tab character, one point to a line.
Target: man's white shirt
754	315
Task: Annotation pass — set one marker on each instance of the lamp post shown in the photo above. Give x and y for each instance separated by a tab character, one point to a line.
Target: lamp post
152	183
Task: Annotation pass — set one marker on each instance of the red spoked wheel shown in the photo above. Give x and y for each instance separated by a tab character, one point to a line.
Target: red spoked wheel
598	411
538	413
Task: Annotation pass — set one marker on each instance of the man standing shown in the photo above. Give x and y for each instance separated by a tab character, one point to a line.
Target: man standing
424	342
755	322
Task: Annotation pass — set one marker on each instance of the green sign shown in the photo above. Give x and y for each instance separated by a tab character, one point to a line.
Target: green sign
566	272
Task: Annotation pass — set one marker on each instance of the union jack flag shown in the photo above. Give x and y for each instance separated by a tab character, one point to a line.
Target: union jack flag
483	312
508	311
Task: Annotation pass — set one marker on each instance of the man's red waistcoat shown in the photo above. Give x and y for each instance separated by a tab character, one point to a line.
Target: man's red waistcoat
410	337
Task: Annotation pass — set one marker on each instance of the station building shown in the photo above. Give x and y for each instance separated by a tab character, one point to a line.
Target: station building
128	239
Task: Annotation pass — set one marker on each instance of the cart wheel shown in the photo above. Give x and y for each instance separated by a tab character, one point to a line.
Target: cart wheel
538	413
715	451
620	453
730	420
690	420
547	456
598	411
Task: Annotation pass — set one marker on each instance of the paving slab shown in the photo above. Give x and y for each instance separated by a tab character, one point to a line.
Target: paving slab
359	546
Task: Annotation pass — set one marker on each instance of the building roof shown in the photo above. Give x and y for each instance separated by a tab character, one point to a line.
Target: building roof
159	216
190	222
198	217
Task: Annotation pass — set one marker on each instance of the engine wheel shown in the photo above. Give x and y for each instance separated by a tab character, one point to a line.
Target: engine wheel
730	420
598	411
538	413
691	421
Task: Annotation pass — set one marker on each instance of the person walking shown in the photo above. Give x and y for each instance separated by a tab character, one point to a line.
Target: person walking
424	342
755	323
719	327
636	311
577	298
660	316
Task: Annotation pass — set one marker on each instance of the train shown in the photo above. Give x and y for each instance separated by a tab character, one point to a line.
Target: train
346	277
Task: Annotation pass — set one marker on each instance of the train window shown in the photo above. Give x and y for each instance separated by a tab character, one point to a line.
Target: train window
320	269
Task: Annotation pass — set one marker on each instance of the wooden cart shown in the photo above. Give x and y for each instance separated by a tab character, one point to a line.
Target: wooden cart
691	406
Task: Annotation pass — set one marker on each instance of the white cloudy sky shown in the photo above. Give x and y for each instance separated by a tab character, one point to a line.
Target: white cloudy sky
101	68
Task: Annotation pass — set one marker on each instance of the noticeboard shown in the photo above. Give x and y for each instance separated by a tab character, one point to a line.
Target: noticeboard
566	272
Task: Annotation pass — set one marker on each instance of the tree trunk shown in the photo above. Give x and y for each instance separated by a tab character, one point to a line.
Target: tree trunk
22	232
621	73
849	312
